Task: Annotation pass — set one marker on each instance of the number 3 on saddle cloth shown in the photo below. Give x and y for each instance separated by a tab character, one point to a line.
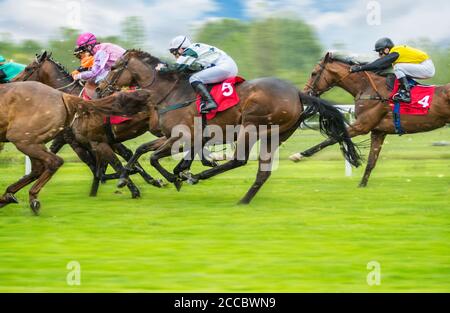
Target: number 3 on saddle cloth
224	94
421	98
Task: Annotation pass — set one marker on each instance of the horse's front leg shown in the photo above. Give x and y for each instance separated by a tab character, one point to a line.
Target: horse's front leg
142	149
164	151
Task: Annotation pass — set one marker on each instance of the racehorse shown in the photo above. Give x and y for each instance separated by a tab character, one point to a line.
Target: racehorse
263	102
372	110
90	132
32	114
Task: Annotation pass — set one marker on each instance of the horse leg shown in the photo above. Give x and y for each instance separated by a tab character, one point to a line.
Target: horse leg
126	153
84	154
100	169
207	159
108	154
240	158
363	124
51	163
142	149
311	151
164	150
376	142
58	143
264	171
36	170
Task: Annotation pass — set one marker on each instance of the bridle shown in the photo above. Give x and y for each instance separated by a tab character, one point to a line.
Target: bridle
312	86
313	91
38	66
111	85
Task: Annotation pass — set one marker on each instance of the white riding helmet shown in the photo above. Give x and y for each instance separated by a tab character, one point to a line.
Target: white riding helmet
179	42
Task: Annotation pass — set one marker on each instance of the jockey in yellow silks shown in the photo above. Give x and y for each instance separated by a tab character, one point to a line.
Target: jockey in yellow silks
407	62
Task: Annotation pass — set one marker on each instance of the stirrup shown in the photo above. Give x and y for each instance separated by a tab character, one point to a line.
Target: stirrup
207	106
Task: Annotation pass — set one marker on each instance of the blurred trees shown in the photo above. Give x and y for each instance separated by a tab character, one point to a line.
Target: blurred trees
286	48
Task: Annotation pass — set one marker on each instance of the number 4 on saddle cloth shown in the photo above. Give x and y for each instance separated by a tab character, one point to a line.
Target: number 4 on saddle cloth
421	98
224	94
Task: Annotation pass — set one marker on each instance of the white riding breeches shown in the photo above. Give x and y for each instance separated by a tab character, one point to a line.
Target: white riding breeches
422	70
225	68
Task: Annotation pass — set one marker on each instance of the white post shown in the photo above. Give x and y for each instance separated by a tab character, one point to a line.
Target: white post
27	165
348	169
350	110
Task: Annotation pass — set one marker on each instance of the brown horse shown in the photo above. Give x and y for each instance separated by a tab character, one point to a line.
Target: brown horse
373	113
124	74
91	133
32	114
263	102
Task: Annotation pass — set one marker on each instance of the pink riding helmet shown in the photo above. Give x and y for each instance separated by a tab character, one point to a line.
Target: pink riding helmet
86	39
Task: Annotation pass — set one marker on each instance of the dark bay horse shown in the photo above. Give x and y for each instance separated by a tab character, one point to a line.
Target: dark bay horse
125	74
263	102
32	114
90	133
373	113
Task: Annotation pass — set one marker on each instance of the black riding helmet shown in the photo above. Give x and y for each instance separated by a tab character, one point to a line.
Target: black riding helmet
383	43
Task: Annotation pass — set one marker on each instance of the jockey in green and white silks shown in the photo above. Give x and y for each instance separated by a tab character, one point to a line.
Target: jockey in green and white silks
9	70
209	64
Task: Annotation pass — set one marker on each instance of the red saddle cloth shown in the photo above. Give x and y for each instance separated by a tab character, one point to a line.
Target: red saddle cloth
224	94
115	119
421	98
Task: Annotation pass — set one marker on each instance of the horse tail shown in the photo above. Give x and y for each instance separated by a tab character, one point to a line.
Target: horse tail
332	123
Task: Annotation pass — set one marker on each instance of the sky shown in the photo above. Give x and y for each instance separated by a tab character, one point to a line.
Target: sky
354	24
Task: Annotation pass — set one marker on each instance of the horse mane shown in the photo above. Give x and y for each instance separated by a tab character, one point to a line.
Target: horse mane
151	60
61	68
144	56
351	58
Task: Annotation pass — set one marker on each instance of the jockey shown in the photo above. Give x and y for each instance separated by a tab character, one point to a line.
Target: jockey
407	61
9	70
86	61
209	64
105	55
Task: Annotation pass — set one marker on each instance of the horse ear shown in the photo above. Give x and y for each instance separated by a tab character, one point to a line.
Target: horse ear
328	57
42	57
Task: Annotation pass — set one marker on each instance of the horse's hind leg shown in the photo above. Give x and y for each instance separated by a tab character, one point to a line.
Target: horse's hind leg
264	172
376	142
51	163
36	170
311	151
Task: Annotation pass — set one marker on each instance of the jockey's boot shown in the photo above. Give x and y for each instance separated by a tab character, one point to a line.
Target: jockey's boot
404	92
208	102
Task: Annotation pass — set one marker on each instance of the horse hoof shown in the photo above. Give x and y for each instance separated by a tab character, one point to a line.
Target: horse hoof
136	194
122	182
158	183
192	180
296	157
10	198
362	185
178	183
35	205
243	202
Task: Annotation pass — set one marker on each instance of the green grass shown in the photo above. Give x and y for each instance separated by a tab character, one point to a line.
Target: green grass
309	229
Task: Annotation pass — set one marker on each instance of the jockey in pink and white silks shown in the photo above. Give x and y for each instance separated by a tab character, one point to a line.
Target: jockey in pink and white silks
209	64
105	55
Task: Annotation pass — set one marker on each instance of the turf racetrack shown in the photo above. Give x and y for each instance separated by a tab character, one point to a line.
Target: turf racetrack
309	229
